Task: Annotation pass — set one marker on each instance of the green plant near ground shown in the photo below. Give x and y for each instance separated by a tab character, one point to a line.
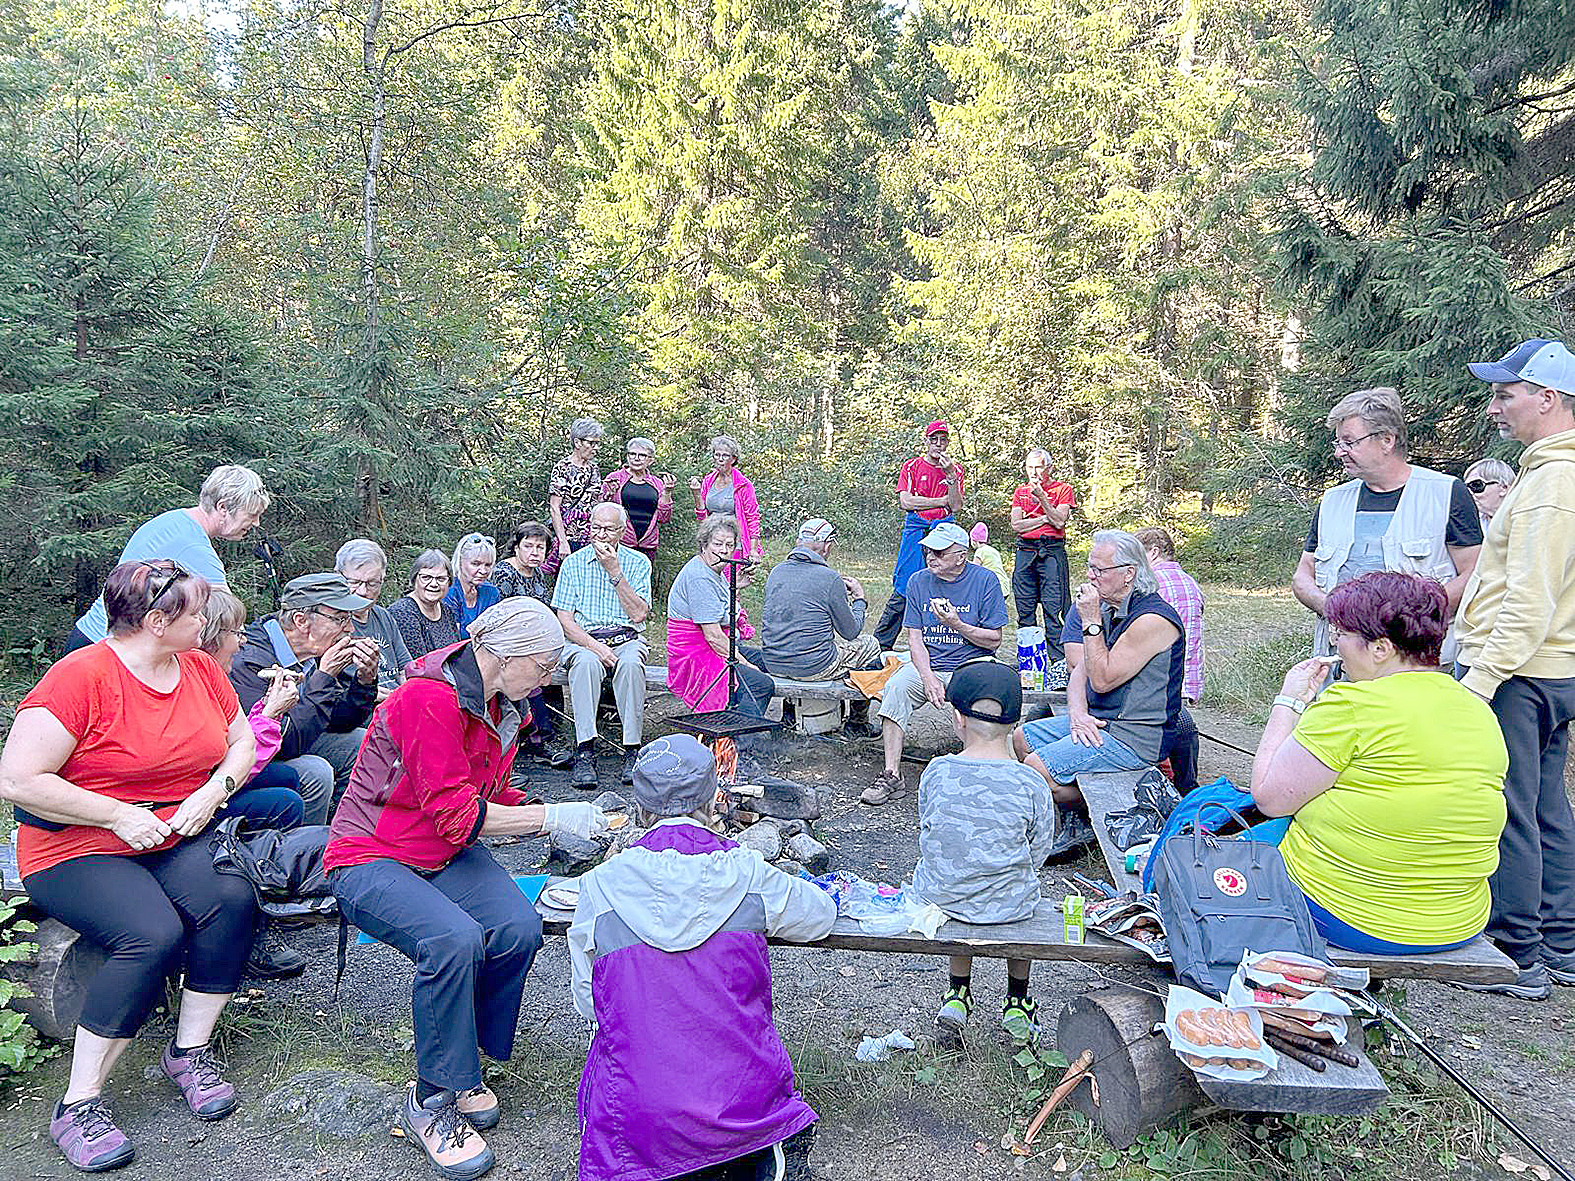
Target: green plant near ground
20	1048
1245	682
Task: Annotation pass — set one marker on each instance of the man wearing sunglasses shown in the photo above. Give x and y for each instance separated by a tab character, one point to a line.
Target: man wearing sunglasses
1390	515
311	637
229	506
1517	651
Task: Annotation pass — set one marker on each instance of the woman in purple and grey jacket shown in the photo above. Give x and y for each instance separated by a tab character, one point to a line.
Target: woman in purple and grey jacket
668	954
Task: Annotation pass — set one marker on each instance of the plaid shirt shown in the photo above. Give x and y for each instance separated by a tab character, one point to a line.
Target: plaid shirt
1178	589
584	588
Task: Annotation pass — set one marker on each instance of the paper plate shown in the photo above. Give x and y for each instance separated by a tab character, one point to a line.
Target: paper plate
563	896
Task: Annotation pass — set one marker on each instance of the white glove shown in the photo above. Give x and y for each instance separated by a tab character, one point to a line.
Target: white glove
576	819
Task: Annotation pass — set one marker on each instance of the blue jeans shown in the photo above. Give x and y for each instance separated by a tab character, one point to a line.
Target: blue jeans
1050	739
272	799
1341	934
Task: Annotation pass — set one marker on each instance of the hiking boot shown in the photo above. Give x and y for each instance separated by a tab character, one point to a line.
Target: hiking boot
1056	677
562	758
859	724
455	1149
1529	984
197	1076
480	1107
1072	832
88	1137
584	773
956	1004
630	755
1560	966
274	963
887	786
1020	1019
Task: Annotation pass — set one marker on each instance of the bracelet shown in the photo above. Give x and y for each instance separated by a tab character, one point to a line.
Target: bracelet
1294	704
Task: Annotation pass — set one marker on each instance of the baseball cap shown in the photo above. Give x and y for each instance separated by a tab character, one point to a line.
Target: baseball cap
321	590
674	776
816	529
987	680
937	425
944	536
1541	362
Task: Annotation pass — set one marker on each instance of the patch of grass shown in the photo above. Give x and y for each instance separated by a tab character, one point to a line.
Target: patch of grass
1245	683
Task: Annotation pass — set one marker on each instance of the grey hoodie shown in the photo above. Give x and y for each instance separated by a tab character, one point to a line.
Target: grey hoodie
806	606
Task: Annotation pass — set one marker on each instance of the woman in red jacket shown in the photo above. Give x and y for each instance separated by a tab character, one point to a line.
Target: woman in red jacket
432	777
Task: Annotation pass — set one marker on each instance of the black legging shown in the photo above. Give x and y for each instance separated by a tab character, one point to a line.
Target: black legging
153	914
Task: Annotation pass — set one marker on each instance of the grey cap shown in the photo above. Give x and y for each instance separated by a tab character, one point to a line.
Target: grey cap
816	529
944	536
674	776
321	590
1540	362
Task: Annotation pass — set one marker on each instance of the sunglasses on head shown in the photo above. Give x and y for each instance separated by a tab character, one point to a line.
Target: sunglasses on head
172	572
1479	485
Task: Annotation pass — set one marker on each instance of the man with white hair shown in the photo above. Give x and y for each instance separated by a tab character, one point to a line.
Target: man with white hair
1124	695
364	565
955	613
1391	515
1517	652
231	502
603	599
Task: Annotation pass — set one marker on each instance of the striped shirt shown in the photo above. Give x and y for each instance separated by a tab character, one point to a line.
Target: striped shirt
1178	589
585	589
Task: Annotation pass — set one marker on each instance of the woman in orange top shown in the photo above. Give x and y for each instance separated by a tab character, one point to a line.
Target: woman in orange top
121	752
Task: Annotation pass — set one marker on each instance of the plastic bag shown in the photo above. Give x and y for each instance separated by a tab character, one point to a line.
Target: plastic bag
1032	656
1133	826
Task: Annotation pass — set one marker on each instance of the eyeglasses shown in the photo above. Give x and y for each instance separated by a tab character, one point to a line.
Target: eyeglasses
1338	444
173	572
640	454
1096	571
1481	486
610	530
431	576
371	584
338	621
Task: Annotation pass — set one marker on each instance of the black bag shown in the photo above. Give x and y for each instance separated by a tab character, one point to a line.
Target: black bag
1133	826
1155	791
1219	897
285	868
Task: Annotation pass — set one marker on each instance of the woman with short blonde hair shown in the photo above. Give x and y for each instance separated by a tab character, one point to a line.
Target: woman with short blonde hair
727	491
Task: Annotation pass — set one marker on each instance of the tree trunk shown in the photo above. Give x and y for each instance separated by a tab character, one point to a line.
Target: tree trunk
366	477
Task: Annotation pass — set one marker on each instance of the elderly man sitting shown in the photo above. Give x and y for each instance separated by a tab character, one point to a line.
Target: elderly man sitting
365	568
955	612
810	628
310	638
1124	695
603	599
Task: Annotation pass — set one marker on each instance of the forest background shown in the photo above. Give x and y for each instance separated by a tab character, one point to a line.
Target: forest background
385	252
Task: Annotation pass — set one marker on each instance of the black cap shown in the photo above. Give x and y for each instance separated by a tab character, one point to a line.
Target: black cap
987	680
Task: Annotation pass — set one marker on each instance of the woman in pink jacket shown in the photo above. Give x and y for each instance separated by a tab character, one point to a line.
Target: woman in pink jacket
727	490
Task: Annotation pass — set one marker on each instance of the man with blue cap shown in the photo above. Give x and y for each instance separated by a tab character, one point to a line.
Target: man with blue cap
686	1071
1516	629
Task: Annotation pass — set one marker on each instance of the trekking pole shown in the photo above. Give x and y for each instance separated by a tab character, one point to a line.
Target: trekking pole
1437	1060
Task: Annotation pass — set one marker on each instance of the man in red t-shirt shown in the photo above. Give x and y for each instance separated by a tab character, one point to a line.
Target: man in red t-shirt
929	488
1040	509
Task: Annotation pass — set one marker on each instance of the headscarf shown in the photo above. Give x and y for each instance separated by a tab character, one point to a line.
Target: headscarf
520	626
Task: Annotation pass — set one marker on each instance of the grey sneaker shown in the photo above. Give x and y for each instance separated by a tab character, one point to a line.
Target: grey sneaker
1072	832
1531	984
584	774
1560	966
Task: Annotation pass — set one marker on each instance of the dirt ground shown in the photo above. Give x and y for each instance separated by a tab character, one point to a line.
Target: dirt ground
918	1116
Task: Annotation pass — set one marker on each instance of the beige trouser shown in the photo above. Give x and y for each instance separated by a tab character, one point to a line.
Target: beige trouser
904	693
586	674
859	652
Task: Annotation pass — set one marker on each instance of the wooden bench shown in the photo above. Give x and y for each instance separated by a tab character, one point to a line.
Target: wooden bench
1152	1085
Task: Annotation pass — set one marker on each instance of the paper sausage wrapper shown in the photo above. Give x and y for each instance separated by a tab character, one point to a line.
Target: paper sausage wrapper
1254	987
1234	1064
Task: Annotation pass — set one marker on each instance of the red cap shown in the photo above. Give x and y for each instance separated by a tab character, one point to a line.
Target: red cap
937	425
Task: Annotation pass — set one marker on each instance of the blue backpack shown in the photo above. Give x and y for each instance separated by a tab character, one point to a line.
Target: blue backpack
1209	807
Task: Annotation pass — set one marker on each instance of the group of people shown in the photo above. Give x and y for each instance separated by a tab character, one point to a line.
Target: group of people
1423	807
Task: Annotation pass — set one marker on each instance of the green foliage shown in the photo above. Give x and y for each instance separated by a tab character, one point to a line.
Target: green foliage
20	1048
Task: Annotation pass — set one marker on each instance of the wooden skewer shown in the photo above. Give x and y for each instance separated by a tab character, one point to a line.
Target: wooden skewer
1075	1073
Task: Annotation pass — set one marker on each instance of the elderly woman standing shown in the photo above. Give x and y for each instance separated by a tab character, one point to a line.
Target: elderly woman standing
698	626
727	490
404	861
424	620
647	499
474	557
365	568
121	752
575	487
1488	480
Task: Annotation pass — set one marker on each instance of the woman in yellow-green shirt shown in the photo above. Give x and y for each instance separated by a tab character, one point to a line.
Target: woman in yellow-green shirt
1394	777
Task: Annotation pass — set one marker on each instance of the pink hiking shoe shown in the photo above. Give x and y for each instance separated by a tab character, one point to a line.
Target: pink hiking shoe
88	1138
197	1076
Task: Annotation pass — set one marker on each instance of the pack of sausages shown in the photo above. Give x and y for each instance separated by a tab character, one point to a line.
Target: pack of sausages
1296	994
1217	1040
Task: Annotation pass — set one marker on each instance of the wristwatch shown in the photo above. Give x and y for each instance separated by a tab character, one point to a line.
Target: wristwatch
1093	629
230	786
615	581
1294	704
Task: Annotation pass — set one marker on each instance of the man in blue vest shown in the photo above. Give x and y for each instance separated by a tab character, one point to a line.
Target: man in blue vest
1390	515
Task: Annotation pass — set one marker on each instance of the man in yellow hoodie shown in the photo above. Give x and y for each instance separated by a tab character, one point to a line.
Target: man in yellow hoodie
1516	629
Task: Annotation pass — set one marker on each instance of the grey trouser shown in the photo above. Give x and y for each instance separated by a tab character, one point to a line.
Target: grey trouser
586	676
